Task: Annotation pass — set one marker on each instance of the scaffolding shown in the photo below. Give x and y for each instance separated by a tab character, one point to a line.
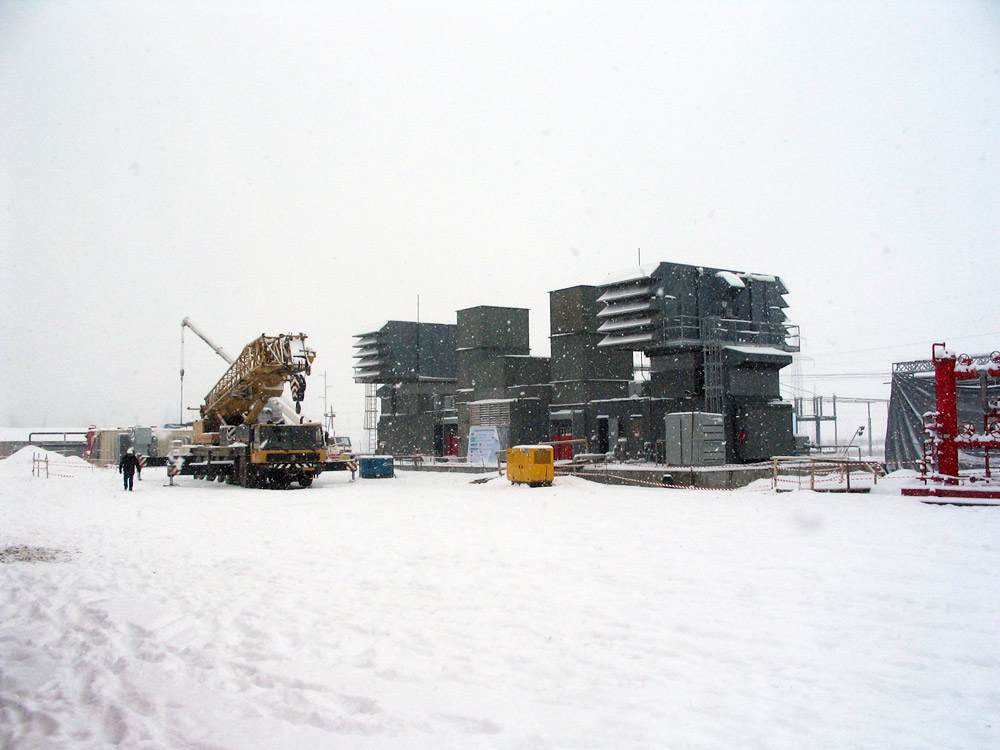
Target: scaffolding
817	416
371	416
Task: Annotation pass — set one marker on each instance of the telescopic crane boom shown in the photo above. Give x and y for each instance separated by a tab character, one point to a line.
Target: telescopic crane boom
186	323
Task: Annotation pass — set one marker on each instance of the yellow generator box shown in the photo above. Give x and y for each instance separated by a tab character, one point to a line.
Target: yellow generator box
530	464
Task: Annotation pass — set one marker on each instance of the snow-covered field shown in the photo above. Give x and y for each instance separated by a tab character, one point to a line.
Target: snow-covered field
429	612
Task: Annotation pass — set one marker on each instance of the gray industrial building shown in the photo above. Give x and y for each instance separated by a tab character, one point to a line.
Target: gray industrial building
715	341
499	384
412	371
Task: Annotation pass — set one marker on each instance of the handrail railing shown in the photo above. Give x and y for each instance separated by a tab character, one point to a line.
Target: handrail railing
829	474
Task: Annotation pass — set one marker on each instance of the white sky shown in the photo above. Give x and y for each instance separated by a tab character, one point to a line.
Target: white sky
293	166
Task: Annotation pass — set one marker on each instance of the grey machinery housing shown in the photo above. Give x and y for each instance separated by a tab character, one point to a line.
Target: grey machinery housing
716	341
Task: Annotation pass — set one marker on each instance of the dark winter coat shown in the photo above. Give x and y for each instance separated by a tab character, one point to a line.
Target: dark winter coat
128	463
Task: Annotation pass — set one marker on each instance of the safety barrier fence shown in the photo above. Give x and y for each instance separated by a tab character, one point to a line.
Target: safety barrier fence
824	474
625	479
833	474
716	478
43	465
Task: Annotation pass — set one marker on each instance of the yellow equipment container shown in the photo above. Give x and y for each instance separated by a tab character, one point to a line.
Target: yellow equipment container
531	465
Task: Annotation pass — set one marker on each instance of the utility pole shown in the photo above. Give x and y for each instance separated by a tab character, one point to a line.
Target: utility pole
181	420
328	414
869	405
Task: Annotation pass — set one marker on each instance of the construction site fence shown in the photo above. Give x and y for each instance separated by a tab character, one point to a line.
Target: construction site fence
44	465
833	474
824	474
608	473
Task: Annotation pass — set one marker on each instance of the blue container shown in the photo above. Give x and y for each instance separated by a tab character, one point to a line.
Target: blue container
376	467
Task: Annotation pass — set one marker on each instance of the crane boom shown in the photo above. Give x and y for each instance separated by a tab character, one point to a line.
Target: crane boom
258	374
186	323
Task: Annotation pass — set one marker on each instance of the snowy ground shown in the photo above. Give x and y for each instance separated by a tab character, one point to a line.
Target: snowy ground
429	612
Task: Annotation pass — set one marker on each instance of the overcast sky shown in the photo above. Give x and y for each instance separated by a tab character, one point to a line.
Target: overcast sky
292	166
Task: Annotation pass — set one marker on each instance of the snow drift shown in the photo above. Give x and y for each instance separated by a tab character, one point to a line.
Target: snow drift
429	612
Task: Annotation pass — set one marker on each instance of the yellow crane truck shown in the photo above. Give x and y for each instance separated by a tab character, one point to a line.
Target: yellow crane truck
243	437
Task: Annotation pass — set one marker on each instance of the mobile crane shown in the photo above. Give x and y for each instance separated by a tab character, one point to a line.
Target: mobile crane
241	438
339	453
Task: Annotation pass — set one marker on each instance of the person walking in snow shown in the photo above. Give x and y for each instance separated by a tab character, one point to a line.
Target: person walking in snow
127	465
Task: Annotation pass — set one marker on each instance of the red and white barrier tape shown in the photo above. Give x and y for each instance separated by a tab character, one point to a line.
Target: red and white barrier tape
45	465
643	482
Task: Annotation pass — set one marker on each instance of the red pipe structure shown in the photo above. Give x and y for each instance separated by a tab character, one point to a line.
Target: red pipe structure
946	436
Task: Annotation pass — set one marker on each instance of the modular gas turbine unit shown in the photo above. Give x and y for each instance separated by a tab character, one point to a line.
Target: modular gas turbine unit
716	340
500	385
411	370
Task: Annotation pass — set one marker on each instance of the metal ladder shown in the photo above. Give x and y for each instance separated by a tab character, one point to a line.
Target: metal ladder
712	364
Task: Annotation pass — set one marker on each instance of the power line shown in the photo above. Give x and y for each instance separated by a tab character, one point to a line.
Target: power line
845	375
903	346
